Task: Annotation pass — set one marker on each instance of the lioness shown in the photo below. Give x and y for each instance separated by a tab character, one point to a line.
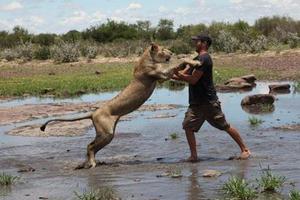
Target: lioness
146	73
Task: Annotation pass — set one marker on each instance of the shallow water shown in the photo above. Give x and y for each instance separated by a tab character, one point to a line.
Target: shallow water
142	149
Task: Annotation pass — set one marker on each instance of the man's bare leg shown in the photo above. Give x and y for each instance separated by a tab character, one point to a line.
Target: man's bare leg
190	136
237	138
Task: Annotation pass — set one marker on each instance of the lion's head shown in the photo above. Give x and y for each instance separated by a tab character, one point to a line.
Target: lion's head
159	54
153	63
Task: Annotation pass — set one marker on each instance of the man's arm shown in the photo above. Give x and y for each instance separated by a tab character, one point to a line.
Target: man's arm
191	79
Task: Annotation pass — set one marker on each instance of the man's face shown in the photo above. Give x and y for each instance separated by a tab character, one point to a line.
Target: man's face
199	45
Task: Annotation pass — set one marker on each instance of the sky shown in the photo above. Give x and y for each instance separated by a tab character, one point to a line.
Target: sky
60	16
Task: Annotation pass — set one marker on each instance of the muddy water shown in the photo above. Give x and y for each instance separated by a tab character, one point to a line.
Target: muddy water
142	150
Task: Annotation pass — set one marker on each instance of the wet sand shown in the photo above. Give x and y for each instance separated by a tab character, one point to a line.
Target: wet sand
142	151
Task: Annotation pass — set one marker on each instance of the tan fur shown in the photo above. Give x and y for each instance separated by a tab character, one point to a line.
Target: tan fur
147	72
191	62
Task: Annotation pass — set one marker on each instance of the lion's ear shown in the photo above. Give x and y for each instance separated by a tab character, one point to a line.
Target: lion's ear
154	47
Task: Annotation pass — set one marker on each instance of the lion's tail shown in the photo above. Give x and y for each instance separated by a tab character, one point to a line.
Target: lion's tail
89	116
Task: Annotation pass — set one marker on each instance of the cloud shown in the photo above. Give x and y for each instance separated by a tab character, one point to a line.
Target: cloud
134	6
162	9
235	1
32	23
37	20
11	6
200	2
5	25
182	11
81	16
97	16
65	15
77	17
259	8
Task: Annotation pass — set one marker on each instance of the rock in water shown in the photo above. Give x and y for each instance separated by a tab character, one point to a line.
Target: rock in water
238	83
235	87
249	78
211	173
279	88
242	79
258	99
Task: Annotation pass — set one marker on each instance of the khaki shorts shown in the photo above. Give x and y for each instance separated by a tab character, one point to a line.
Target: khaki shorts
197	114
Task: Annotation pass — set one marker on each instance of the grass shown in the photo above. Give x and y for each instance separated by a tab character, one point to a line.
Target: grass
297	86
294	195
67	81
237	188
6	179
72	79
63	80
254	121
270	182
175	173
174	136
105	193
266	107
223	73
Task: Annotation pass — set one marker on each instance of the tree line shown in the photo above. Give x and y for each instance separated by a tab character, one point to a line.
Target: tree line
227	37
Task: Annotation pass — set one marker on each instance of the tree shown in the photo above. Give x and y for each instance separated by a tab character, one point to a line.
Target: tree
165	29
111	31
186	32
45	39
20	35
277	27
4	39
72	36
144	30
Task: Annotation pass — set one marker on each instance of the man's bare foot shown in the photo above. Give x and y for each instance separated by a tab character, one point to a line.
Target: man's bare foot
192	159
245	154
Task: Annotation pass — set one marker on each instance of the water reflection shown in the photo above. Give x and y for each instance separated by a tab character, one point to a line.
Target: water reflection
194	191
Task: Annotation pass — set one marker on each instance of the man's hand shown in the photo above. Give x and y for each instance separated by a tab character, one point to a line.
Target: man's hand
175	77
178	72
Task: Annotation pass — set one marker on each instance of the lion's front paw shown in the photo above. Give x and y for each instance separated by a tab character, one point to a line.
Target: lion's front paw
194	63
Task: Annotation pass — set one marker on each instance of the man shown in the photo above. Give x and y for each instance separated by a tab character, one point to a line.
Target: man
203	100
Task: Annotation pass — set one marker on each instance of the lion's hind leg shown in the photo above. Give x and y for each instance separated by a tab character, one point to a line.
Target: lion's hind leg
105	129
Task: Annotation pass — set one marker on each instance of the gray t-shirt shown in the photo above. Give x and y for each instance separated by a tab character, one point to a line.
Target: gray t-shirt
203	92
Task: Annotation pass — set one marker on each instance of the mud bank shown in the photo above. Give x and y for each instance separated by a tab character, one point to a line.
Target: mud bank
17	114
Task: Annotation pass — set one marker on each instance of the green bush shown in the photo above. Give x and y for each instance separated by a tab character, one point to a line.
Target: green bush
6	179
42	53
294	195
180	47
238	188
9	54
174	136
293	40
258	45
122	48
104	193
226	42
65	52
89	51
270	182
254	121
26	51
